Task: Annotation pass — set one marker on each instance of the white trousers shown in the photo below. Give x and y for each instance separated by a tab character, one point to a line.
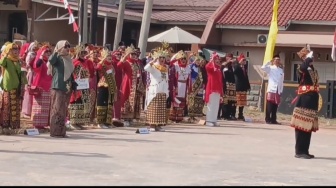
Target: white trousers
212	108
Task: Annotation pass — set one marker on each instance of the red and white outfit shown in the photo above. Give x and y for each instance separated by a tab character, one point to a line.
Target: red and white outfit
214	90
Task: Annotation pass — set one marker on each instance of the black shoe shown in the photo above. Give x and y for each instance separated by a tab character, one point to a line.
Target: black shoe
303	156
232	119
276	123
268	122
242	118
311	156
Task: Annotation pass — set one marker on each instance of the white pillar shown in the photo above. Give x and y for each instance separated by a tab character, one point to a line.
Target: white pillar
85	22
119	25
146	19
105	30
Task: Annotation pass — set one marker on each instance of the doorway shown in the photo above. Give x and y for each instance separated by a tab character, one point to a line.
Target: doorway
17	22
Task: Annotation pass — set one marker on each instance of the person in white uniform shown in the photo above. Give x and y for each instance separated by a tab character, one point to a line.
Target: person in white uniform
275	74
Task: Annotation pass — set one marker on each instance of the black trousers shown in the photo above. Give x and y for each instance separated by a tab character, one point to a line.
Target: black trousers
230	110
302	142
240	111
221	111
271	110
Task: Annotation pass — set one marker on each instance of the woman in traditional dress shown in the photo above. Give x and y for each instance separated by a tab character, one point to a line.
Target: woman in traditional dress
305	119
60	66
158	92
79	109
214	89
27	102
107	90
132	87
42	81
116	56
196	89
10	105
182	72
93	60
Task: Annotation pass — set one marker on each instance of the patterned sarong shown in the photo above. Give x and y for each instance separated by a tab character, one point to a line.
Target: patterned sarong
10	110
156	110
41	110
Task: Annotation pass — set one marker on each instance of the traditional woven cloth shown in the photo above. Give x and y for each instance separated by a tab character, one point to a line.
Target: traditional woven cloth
10	110
132	106
273	98
80	110
241	98
104	106
177	113
41	110
231	91
156	110
195	106
58	112
305	119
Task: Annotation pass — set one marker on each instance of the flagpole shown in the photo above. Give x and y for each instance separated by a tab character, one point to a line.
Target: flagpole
270	45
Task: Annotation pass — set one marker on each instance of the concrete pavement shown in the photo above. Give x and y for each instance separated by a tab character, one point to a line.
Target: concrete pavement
236	153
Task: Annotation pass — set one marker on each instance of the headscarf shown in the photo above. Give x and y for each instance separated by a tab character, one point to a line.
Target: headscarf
23	51
9	54
31	54
40	53
68	65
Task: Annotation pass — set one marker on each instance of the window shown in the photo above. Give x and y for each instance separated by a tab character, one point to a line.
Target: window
295	76
247	54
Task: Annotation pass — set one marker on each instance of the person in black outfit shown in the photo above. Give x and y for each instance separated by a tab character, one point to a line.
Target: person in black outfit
305	119
242	85
230	92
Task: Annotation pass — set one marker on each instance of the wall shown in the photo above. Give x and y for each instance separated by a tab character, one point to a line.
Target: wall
4	24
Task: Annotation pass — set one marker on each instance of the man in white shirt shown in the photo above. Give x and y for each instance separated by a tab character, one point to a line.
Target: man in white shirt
275	73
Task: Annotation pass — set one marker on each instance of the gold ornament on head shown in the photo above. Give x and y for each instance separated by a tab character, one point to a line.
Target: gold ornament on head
104	53
130	49
79	48
181	54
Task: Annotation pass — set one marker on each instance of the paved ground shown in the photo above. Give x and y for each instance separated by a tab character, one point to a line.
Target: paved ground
233	154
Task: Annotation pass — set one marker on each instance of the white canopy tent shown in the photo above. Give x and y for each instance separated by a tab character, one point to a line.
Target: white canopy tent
175	35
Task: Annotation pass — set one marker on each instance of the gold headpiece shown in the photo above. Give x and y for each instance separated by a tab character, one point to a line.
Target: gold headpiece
79	48
303	52
163	51
130	49
46	45
180	55
104	53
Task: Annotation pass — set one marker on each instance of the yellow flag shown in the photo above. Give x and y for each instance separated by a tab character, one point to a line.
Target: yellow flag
272	35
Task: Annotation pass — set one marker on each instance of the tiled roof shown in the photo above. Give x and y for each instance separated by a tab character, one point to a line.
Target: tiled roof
182	16
259	12
192	3
187	15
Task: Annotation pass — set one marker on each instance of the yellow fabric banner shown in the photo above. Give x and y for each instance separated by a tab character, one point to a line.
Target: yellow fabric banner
272	35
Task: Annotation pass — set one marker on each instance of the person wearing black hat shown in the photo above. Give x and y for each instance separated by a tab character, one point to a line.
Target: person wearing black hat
242	85
274	88
230	89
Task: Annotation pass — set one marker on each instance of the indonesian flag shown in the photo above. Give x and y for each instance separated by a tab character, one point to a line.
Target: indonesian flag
71	18
66	3
333	50
75	27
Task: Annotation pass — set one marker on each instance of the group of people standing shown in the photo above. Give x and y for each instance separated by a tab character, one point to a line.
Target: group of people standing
59	85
